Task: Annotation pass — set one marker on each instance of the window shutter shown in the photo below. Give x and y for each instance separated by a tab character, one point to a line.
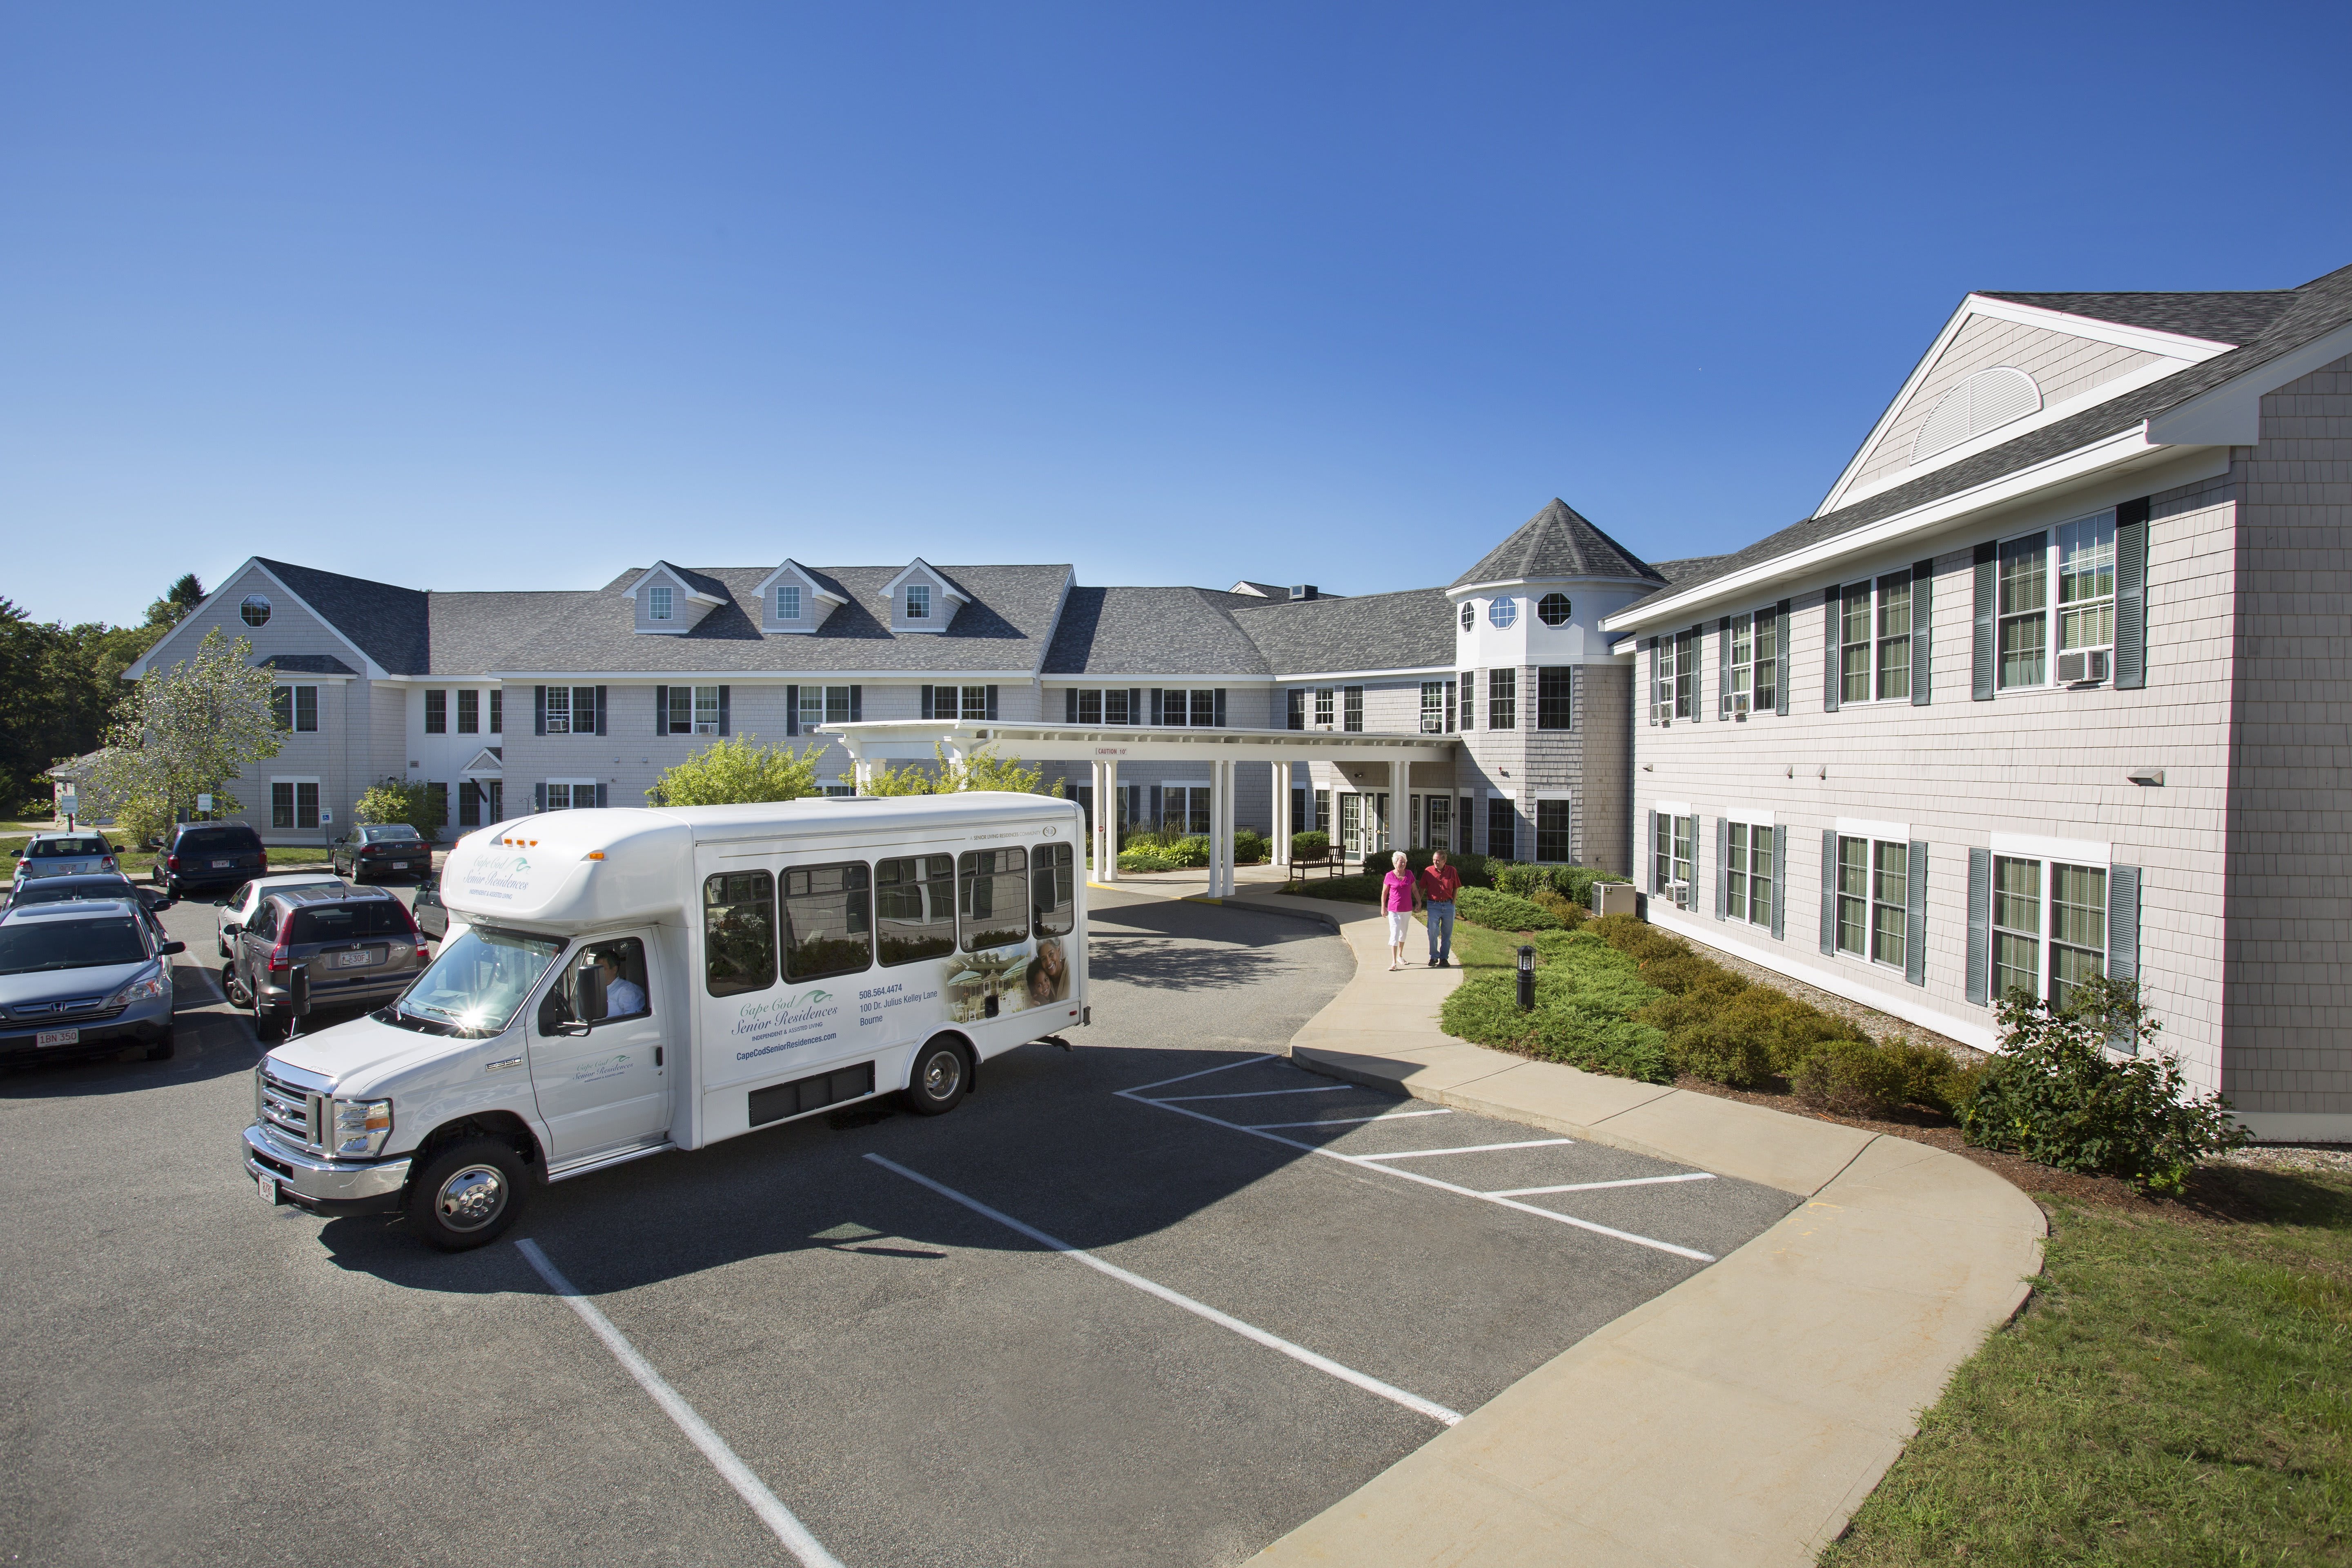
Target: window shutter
1923	631
1221	707
1829	890
992	703
1691	643
1649	851
661	709
1980	629
1979	977
1722	847
792	709
726	711
1155	720
924	692
599	710
1723	665
1781	624
1135	705
1779	881
2123	922
1070	706
2131	596
539	791
1470	701
1833	610
1159	805
857	705
1653	692
1915	924
600	795
538	710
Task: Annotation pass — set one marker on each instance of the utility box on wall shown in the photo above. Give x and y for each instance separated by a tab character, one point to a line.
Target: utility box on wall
1615	899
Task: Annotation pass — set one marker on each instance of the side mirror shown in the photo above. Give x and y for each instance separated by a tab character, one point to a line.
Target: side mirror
232	928
171	949
572	1027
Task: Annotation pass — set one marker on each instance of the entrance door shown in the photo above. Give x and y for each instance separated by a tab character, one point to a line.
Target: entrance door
599	1048
1376	822
1440	808
1351	828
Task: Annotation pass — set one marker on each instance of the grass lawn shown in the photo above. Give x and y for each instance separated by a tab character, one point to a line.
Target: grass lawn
2175	1392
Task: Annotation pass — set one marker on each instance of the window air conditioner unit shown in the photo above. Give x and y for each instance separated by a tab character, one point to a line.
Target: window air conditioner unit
2082	668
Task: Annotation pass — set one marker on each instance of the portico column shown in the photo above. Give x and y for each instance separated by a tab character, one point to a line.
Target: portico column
1216	825
1400	803
1228	775
1283	827
1107	863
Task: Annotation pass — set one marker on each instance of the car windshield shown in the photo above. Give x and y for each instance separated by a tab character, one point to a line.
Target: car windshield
69	944
476	982
87	845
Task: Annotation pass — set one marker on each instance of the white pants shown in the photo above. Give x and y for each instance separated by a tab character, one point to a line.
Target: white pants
1399	925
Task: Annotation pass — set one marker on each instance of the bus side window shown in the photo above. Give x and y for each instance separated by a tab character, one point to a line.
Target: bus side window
1051	888
914	906
739	932
828	921
992	897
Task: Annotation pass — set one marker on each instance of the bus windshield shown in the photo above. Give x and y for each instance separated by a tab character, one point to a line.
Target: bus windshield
476	982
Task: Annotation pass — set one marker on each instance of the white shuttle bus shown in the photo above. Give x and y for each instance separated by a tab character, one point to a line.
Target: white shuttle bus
627	982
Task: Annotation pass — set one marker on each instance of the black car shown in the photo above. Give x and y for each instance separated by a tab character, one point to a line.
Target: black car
427	909
384	848
197	855
357	947
110	886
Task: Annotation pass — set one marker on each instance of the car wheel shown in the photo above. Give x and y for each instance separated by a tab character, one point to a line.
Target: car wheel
161	1050
942	1074
466	1195
269	1024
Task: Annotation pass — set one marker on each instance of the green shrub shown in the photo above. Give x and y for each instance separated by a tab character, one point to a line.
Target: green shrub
401	800
1501	912
1575	882
1586	996
1145	859
1308	846
2055	1094
1933	1079
1571	915
1189	851
1852	1077
1250	846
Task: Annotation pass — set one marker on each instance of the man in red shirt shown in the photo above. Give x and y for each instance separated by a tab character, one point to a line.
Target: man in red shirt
1439	883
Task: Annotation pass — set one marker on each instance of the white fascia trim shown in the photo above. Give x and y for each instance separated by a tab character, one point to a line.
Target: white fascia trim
424	680
753	677
1866	828
1088	682
2191	351
2230	414
938	580
2124	448
807	580
1419	669
1555	794
1754	817
368	667
697	595
1468	589
1673	808
2050	413
911	629
2071	851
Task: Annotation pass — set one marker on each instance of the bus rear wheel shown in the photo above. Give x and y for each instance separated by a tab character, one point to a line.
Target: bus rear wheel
942	1075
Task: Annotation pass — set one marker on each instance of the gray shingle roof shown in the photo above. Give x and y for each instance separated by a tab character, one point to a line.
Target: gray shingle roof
305	664
2228	318
2316	309
1409	630
1556	542
1153	631
474	633
1691	566
388	623
1005	627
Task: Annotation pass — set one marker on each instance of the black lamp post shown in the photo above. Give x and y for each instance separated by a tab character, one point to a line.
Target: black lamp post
1526	979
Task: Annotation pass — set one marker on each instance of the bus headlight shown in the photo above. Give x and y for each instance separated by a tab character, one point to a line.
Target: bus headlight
361	1126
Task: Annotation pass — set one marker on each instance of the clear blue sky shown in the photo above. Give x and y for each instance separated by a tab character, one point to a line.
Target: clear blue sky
513	297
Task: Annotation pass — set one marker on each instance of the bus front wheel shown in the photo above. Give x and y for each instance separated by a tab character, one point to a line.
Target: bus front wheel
941	1077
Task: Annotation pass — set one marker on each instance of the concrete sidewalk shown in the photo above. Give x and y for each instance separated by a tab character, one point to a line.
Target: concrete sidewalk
1738	1419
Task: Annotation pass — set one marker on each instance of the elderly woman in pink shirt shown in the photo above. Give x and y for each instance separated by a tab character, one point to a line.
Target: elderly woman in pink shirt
1400	896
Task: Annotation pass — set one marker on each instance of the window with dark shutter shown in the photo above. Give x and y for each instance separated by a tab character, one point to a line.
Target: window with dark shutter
1069	706
992	704
1980	623
1829	890
1722	854
2131	596
538	710
1922	607
726	711
1221	706
661	709
792	711
1832	634
1779	883
599	710
857	703
1915	944
1979	980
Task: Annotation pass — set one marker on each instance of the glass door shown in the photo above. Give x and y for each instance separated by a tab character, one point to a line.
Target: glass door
1351	828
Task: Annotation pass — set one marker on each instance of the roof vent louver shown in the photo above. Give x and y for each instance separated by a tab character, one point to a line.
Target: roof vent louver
1985	401
1305	591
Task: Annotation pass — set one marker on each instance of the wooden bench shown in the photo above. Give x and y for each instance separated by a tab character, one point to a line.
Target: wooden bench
1302	864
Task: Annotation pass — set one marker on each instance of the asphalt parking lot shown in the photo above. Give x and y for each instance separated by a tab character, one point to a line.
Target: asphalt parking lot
1295	1283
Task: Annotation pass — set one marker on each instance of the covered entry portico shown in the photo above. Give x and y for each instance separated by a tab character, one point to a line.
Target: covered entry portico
1105	748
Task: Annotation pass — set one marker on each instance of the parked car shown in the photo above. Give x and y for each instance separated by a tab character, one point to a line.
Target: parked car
114	888
64	855
358	945
382	847
236	910
80	979
432	916
194	856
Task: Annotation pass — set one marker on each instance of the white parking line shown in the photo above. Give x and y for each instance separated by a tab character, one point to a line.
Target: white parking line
1352	1120
1468	1149
1365	1164
1187	1077
1349	1374
779	1519
1260	1094
1596	1186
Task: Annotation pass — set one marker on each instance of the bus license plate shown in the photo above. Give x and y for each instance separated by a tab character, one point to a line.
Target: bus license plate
359	960
57	1037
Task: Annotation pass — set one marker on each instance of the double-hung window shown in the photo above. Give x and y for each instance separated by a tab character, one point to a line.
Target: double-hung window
1674	694
469	712
2024	611
1554	829
1502	700
706	709
1874	640
1673	843
1323	707
658	603
293	802
1752	673
919	602
1874	903
559	710
1432	707
1555	696
1297	719
1747	872
1469	701
2081	556
295	707
436	712
1090	708
498	711
1352	719
829	705
788	602
2049	927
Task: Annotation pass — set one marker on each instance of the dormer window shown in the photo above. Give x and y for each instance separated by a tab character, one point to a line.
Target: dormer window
788	602
919	602
658	603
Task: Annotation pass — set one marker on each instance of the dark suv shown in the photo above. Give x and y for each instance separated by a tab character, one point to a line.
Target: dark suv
195	854
382	849
359	946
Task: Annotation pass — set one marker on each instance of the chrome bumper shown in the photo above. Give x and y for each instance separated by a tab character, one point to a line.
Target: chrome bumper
311	1180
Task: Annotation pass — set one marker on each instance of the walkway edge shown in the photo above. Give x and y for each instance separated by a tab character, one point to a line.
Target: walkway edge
1740	1417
